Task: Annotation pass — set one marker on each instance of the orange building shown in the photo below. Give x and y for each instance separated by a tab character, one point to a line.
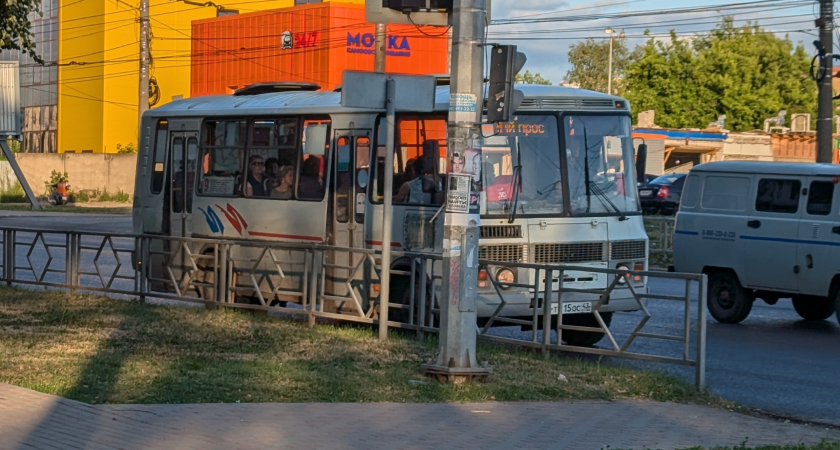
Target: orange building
310	43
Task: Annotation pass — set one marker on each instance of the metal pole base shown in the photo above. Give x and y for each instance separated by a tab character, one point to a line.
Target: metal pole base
456	375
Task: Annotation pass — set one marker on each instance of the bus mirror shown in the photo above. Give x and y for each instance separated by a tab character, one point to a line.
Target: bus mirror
431	155
641	162
315	139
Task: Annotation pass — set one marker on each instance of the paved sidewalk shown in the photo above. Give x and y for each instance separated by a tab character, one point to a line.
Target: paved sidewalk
31	420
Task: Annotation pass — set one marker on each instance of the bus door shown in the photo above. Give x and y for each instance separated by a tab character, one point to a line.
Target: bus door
184	157
348	200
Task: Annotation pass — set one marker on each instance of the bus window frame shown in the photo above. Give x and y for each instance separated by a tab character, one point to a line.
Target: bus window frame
203	150
328	151
564	166
297	148
156	150
374	163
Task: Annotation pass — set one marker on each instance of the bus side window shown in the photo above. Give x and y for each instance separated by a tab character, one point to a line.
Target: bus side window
222	145
311	185
274	142
159	158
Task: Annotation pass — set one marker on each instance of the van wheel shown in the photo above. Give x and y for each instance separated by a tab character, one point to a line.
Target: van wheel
813	308
728	301
582	338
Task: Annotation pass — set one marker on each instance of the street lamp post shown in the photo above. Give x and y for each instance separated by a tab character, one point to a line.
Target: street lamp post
610	32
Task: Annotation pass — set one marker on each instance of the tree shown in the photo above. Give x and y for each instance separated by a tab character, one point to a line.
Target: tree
15	27
530	78
590	63
743	72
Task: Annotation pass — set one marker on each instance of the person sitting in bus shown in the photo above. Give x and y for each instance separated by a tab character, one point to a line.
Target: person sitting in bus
404	182
255	186
418	190
310	185
272	168
285	183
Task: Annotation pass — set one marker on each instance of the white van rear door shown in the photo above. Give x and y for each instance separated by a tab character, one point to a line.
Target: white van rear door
770	239
816	240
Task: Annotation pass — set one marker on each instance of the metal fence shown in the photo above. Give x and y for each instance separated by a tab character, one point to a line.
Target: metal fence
548	289
315	281
660	231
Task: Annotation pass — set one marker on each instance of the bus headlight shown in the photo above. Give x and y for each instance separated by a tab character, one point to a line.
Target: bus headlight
623	268
505	277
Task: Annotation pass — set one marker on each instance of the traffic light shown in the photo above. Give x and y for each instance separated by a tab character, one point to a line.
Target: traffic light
418	5
502	98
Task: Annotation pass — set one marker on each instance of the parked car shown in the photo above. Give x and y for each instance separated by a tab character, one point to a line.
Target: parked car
647	179
762	231
662	194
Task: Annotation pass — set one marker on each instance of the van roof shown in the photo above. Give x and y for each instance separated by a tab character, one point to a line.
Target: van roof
770	168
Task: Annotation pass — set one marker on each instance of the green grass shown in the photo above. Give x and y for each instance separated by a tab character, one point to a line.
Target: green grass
99	350
13	194
658	259
124	210
744	446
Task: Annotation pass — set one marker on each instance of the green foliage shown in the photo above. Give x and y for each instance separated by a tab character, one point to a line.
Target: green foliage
55	176
13	194
742	72
531	78
15	27
129	148
590	63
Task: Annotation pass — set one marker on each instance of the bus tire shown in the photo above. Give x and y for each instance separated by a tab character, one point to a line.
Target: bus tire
401	295
813	308
583	338
727	300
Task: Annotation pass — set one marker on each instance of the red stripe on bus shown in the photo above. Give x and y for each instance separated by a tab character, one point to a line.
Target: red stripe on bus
287	236
393	244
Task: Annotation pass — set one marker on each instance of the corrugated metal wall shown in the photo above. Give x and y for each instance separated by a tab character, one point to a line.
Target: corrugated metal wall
311	43
9	98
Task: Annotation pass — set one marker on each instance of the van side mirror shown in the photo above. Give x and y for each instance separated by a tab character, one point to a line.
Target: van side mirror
431	155
641	162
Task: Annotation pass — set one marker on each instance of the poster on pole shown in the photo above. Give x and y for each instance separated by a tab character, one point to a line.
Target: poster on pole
458	194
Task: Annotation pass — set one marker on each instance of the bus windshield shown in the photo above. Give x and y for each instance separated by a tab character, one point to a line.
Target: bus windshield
599	156
527	175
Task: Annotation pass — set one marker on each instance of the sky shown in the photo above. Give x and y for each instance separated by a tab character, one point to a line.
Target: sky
547	50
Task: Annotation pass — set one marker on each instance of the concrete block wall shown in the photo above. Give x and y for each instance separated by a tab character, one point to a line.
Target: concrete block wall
85	171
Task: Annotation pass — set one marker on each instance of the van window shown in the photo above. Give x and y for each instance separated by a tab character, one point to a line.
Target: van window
691	191
779	196
726	193
819	198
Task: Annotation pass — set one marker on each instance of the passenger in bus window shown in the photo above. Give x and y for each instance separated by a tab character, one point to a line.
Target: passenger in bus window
311	186
284	184
405	182
255	186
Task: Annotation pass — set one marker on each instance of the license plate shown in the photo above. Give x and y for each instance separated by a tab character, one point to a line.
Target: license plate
573	308
646	192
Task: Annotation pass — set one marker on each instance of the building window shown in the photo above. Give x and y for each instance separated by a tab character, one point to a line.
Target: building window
221	12
303	2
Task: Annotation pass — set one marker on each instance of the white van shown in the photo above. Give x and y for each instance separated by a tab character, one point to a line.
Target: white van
762	230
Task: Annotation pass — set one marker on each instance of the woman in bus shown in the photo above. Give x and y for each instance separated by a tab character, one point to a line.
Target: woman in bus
285	184
255	187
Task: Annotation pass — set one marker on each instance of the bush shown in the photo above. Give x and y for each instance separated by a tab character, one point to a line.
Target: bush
129	148
13	194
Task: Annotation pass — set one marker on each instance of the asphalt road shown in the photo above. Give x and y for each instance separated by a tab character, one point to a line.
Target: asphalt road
773	360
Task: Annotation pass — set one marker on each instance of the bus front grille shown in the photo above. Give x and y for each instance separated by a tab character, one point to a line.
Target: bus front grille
621	250
504	252
501	231
568	253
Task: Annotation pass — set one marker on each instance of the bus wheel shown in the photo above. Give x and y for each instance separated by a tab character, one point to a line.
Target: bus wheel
728	301
813	308
582	338
401	295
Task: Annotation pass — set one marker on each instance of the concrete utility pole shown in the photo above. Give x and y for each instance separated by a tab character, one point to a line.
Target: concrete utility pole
143	101
825	115
379	44
456	359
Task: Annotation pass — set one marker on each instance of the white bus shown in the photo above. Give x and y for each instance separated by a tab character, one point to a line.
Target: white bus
284	162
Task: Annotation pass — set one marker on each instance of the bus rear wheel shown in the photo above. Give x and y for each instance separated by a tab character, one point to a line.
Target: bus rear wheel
813	308
583	338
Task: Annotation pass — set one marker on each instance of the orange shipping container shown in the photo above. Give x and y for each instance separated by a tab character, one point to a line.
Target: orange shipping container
310	43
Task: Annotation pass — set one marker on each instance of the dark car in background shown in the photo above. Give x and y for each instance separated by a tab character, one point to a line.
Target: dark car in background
662	195
647	179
